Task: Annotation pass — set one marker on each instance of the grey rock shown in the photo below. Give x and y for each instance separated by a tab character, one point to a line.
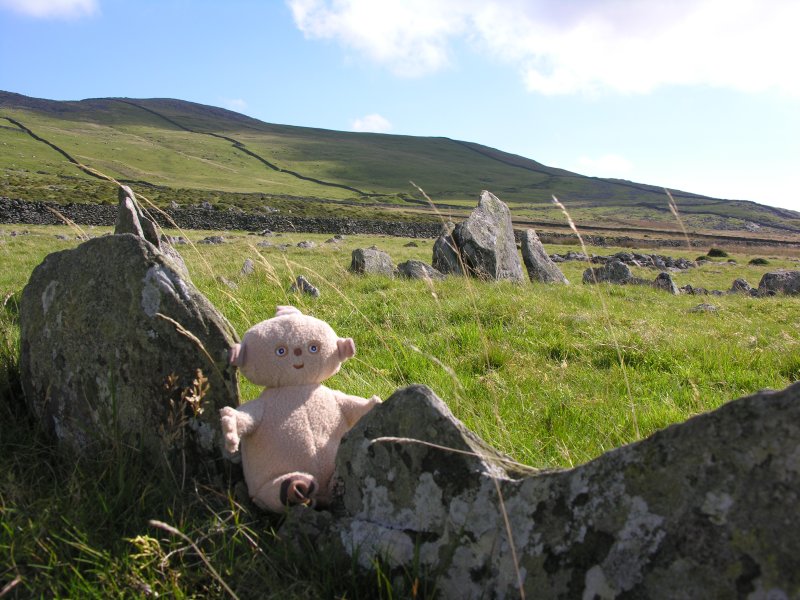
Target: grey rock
486	241
227	282
306	245
416	269
173	205
446	258
112	339
705	508
537	262
613	271
572	255
664	282
704	307
213	240
206	205
265	244
248	268
303	285
371	261
741	286
411	245
786	282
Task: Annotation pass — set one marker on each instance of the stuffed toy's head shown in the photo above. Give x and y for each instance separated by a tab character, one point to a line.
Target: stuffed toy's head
290	349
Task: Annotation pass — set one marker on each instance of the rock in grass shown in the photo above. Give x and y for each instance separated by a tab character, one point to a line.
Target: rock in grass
705	508
371	261
740	286
416	269
446	258
303	285
212	240
118	349
664	282
248	268
538	264
786	282
486	241
614	271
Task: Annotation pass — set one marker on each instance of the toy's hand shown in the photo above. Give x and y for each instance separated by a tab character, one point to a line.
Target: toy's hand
230	431
375	400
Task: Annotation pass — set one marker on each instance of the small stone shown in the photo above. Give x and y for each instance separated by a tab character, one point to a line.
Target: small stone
306	244
664	282
248	268
303	285
704	307
411	245
416	269
213	240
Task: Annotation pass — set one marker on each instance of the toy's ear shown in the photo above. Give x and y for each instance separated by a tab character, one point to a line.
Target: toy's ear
347	348
236	355
283	311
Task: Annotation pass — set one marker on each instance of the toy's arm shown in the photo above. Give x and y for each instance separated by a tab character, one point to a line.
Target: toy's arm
239	423
355	407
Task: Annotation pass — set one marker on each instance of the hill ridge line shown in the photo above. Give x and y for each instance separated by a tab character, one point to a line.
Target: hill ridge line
240	146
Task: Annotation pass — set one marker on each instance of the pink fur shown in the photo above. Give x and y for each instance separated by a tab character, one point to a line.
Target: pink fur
290	434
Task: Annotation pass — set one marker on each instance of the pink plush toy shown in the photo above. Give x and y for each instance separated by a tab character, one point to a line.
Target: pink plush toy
290	434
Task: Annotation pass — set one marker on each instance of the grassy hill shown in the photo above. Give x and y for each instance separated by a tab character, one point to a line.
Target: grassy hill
172	150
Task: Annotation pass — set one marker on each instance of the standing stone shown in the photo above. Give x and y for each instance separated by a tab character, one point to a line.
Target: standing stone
486	241
248	268
787	282
117	348
614	271
664	282
416	269
706	508
371	261
303	285
446	258
537	262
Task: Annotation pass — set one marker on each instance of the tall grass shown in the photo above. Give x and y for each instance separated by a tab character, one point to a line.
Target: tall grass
533	369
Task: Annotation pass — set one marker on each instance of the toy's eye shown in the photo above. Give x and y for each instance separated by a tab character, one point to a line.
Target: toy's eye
313	348
281	351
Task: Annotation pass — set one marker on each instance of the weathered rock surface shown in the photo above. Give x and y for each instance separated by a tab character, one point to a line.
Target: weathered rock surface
486	241
539	265
445	252
248	267
301	284
416	269
614	271
664	282
371	261
705	508
786	282
105	352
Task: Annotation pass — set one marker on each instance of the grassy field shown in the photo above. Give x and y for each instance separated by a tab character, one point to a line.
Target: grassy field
533	369
189	153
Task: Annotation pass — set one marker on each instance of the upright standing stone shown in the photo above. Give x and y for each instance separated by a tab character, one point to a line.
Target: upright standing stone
538	263
486	241
117	348
446	258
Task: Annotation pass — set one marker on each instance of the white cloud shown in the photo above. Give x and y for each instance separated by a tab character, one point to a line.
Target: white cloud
45	9
608	165
373	123
236	104
577	46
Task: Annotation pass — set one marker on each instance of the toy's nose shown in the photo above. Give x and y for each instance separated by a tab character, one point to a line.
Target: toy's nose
298	351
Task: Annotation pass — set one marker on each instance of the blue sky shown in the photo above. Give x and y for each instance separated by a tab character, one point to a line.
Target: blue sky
697	95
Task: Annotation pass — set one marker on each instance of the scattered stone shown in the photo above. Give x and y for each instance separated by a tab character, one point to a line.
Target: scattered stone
537	262
740	286
212	239
613	271
306	244
227	282
705	507
248	268
371	261
173	205
446	259
303	285
705	307
265	244
664	282
106	358
265	233
205	205
333	240
411	245
62	237
786	282
416	269
486	241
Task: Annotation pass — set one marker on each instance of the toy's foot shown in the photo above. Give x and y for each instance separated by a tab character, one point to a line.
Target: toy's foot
298	489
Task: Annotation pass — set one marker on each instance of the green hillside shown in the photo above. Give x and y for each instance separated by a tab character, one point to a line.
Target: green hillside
171	150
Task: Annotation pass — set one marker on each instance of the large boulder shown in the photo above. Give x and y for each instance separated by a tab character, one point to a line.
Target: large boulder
118	348
705	508
537	262
786	282
446	258
371	261
486	241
